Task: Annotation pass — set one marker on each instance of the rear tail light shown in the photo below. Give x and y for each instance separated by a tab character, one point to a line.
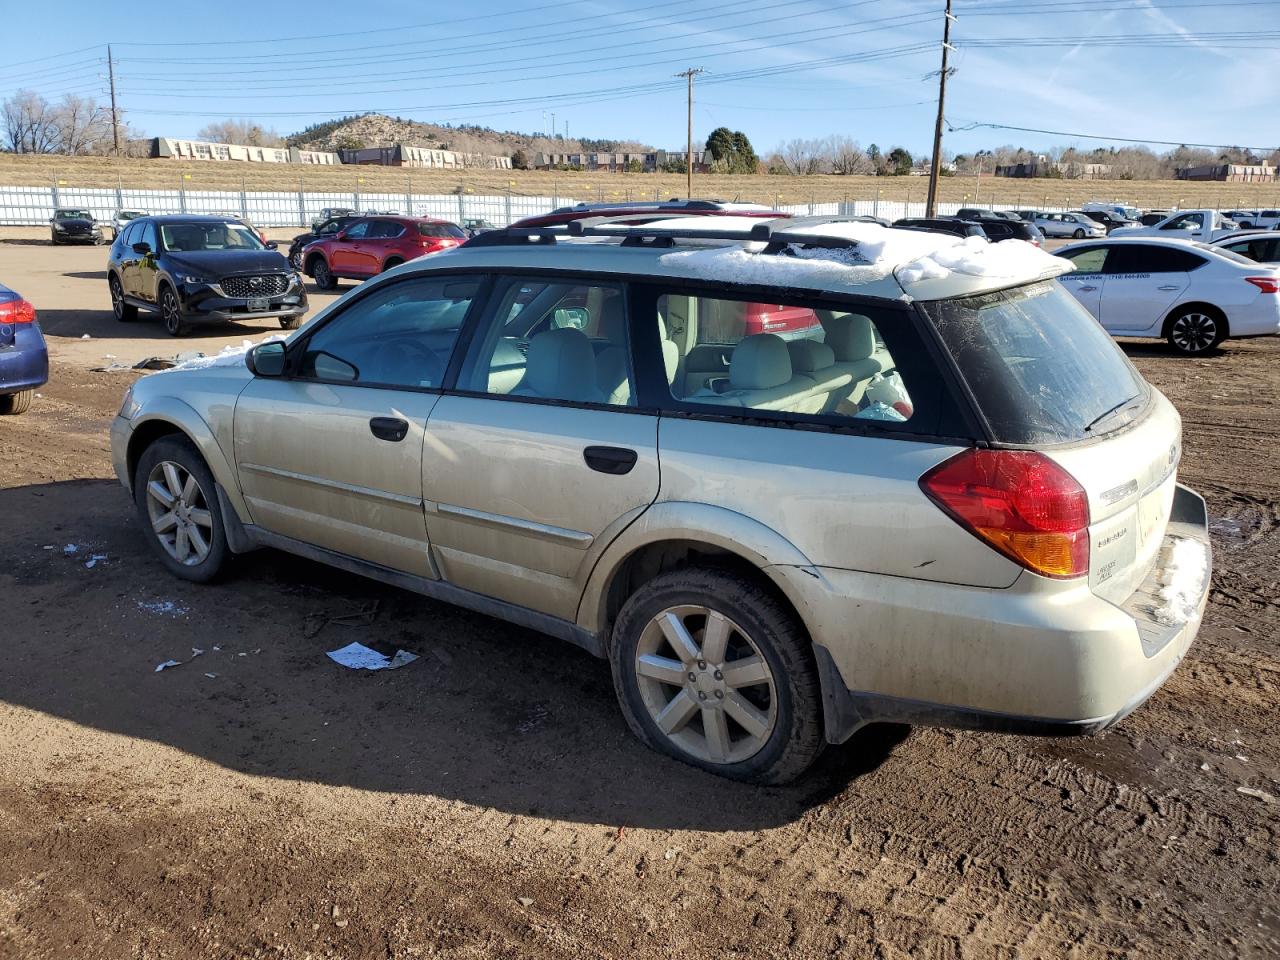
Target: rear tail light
1265	284
17	311
1019	502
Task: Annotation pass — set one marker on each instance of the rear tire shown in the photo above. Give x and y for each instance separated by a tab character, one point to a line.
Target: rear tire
323	276
1193	331
171	312
123	310
737	694
177	504
12	404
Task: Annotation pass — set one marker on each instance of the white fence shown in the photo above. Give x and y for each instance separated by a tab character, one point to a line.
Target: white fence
33	206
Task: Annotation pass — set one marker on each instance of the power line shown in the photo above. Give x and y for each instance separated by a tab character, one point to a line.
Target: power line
1089	136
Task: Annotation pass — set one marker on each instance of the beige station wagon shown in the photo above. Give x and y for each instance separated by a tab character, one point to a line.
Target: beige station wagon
945	497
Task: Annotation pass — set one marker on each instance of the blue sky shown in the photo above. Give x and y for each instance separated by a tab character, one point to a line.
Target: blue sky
1182	70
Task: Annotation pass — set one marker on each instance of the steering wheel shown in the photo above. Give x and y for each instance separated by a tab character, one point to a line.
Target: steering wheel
409	361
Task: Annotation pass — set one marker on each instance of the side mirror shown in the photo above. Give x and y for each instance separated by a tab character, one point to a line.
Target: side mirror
142	247
266	359
272	245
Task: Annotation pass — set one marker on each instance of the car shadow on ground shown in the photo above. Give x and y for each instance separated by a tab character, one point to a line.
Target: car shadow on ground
1161	348
102	325
87	275
491	714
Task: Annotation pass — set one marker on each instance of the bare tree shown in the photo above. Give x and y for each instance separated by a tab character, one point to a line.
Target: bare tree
242	132
29	123
83	125
846	157
802	157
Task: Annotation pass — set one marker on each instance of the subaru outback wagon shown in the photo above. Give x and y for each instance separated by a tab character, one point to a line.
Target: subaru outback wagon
953	502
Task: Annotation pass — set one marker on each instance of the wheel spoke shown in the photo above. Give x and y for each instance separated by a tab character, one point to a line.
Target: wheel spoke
164	523
677	635
715	637
746	672
677	713
198	541
181	545
201	517
160	492
749	718
171	478
189	490
661	668
717	730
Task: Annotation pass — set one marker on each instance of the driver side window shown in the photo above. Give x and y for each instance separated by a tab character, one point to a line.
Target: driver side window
400	335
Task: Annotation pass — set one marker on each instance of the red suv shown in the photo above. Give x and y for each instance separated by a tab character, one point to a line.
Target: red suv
372	244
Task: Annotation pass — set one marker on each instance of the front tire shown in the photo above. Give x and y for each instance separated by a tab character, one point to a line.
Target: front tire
290	323
1196	331
712	669
171	312
123	310
12	404
178	509
1079	234
391	264
323	276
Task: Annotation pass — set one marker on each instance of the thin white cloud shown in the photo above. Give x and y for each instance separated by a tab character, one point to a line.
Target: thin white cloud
1160	18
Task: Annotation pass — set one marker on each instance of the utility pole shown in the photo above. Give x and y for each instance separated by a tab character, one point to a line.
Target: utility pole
688	157
553	126
937	128
115	114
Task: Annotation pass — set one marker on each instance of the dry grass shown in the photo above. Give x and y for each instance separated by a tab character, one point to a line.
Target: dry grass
158	174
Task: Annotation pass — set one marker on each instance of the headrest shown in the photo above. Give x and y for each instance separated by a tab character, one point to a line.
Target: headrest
760	362
562	364
613	319
850	336
808	356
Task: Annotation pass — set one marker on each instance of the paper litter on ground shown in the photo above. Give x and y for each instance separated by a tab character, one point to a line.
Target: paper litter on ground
195	652
1187	568
93	560
357	656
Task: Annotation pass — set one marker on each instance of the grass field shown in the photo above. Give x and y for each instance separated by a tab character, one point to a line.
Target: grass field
27	170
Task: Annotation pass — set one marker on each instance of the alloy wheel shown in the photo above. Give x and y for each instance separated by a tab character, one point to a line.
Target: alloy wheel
179	513
1194	332
171	312
117	298
706	685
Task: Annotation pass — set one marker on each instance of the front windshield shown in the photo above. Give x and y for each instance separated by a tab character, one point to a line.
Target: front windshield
188	237
130	214
73	215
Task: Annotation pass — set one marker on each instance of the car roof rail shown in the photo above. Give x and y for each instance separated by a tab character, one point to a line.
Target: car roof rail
777	232
513	237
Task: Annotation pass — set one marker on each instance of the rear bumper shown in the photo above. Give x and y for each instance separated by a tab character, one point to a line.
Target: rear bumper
1041	657
24	364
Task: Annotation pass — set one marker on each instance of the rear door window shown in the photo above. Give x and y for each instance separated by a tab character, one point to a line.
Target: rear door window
1040	367
1149	258
1090	260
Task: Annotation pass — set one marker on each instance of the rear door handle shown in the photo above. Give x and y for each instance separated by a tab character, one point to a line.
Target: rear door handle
1088	289
389	428
1169	286
614	460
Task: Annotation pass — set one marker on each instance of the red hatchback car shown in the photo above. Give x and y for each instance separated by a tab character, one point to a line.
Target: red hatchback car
370	245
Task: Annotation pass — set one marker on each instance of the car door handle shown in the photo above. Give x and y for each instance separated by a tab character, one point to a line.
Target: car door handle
389	428
1169	286
614	460
1088	289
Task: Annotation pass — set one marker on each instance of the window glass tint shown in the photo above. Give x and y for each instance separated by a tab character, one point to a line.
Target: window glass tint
399	335
357	230
1092	260
441	230
1040	367
383	230
1192	221
180	237
802	361
131	234
555	340
1148	258
148	235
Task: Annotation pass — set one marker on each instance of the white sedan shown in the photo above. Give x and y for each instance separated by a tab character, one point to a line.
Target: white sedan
1260	245
1191	294
1074	224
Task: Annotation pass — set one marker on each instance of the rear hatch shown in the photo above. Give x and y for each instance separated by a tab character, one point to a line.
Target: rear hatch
1047	377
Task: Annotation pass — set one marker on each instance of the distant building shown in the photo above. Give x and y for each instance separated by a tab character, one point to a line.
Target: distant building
1042	167
406	155
1230	172
173	148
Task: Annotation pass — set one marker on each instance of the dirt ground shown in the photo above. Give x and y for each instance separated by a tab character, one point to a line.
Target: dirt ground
487	800
44	170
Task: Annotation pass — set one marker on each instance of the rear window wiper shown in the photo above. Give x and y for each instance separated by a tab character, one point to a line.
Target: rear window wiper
1107	414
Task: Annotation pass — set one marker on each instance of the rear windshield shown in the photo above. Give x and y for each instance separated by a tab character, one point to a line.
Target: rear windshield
441	230
1041	368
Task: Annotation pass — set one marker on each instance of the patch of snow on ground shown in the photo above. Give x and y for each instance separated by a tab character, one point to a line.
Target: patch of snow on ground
1187	569
163	608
